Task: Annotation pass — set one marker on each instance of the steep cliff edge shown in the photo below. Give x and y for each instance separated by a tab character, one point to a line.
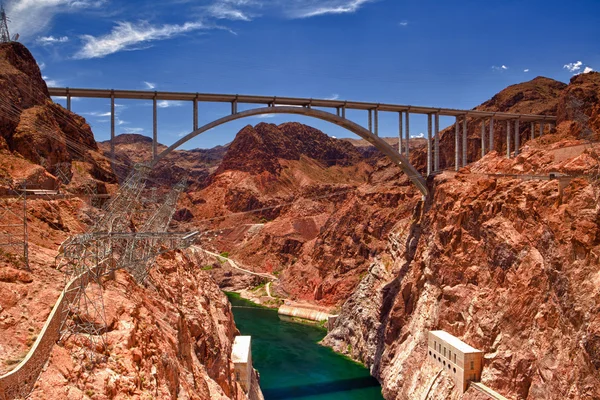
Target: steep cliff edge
508	265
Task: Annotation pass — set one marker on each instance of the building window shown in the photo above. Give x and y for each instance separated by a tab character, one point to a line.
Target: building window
444	352
454	370
472	365
429	352
454	358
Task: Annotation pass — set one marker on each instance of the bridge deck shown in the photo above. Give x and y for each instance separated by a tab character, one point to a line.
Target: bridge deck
288	101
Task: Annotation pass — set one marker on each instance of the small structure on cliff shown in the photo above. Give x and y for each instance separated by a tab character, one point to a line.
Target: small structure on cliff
241	355
463	362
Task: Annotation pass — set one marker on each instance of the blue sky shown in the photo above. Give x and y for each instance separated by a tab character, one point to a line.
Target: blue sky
422	52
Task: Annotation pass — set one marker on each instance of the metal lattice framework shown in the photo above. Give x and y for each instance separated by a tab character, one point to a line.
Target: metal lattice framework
13	221
4	34
114	243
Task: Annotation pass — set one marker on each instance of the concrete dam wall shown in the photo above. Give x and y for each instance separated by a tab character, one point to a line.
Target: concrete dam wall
304	313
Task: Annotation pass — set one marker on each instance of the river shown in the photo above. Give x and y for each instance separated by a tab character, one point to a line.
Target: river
291	363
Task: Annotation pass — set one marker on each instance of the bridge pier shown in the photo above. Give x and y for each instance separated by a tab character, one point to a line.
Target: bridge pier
407	135
456	144
429	147
507	138
112	130
464	142
492	148
154	128
517	137
196	113
371	120
482	138
436	163
400	132
532	133
376	114
541	128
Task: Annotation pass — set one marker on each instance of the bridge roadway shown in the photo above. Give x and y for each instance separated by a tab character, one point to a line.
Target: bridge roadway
304	106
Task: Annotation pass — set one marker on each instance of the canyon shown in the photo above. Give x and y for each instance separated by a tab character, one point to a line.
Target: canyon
509	265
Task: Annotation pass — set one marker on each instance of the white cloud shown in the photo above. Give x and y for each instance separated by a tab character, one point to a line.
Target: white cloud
134	130
403	23
224	9
263	116
500	68
50	40
573	67
526	70
42	65
149	85
313	8
30	17
419	136
334	96
96	114
51	82
587	70
126	35
167	104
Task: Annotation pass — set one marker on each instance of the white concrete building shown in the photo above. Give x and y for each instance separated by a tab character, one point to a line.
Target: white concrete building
463	362
241	355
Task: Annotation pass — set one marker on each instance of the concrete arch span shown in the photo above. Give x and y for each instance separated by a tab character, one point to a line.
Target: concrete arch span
379	143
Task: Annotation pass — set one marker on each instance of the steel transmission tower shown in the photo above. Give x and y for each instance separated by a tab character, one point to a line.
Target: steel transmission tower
4	34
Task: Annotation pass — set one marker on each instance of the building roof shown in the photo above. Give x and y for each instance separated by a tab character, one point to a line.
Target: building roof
455	342
241	349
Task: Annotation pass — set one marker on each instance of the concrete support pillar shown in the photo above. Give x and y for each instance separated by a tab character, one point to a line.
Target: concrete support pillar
532	133
196	114
371	120
400	132
517	137
429	147
112	129
456	144
492	148
154	128
436	138
376	113
464	142
234	108
344	112
407	144
507	139
69	102
541	128
482	138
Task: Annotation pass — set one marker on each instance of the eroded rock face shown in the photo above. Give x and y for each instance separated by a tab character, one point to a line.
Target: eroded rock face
170	342
37	129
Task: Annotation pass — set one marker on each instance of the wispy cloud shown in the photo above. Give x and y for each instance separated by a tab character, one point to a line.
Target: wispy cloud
51	82
149	85
263	116
50	40
96	114
334	96
227	9
526	70
313	8
587	70
403	23
500	68
167	104
31	17
574	66
42	65
127	35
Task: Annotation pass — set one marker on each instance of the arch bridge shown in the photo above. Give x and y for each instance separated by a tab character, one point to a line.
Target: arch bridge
308	107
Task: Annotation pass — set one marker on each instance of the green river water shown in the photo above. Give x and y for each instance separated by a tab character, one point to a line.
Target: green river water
291	363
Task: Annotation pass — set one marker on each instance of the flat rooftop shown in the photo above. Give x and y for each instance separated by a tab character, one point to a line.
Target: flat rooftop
455	342
241	349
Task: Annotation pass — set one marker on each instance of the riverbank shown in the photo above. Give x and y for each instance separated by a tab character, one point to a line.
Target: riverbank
293	364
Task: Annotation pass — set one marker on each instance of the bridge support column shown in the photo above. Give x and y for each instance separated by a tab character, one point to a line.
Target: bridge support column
112	129
541	128
69	102
234	108
464	142
456	144
436	141
196	113
407	135
371	120
517	137
482	138
400	132
429	145
532	133
492	148
507	139
376	113
344	112
154	128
